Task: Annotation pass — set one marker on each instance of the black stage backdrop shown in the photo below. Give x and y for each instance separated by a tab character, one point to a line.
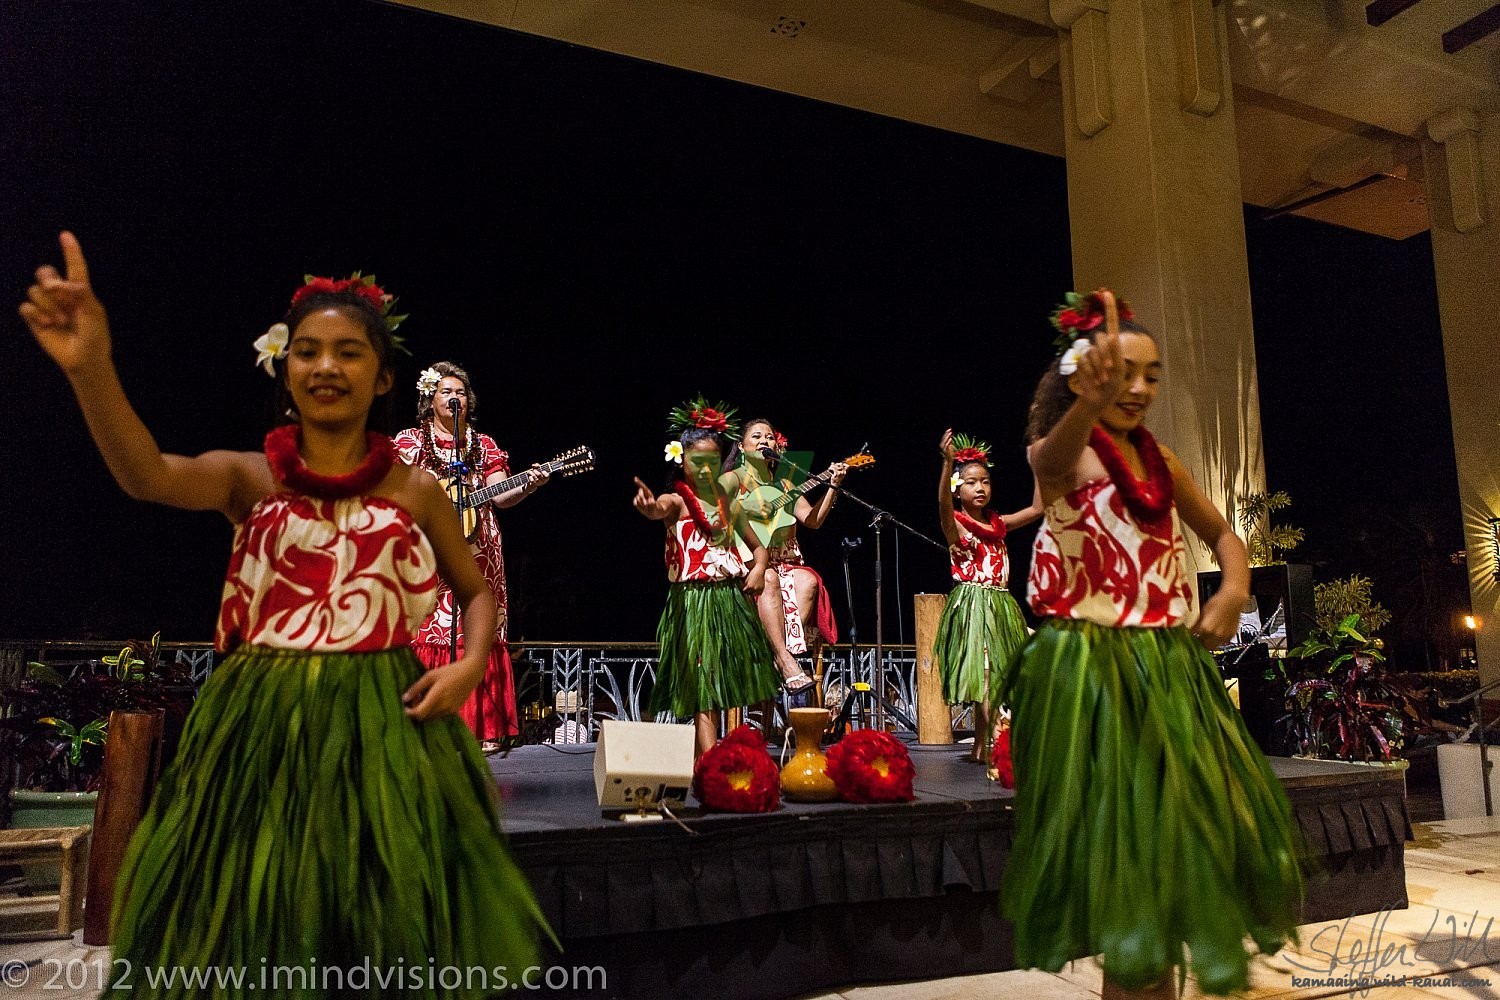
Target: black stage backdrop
596	238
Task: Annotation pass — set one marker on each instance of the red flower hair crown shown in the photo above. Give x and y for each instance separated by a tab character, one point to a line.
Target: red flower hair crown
1078	316
967	449
696	412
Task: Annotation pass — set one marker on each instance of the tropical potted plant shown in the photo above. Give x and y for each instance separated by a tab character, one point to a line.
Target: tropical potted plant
56	723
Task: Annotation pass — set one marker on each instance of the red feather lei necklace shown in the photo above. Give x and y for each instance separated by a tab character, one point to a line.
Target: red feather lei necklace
289	468
1149	499
994	532
695	511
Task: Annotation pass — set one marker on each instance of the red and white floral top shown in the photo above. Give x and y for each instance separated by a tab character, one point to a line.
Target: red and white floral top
353	575
1094	560
693	558
978	560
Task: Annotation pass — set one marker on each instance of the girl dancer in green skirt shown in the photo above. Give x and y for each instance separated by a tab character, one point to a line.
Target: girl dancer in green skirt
327	826
714	653
981	627
1148	826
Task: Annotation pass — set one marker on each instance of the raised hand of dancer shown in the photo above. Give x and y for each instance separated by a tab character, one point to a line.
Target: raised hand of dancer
649	505
64	315
945	446
1101	373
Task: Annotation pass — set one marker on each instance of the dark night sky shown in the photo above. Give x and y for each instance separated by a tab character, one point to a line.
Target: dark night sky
596	238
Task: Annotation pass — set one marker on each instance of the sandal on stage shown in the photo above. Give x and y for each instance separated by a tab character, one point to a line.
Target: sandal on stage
490	747
792	685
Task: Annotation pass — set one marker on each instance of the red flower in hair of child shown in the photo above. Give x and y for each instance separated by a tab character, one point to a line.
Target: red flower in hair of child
710	419
965	455
738	775
871	766
370	292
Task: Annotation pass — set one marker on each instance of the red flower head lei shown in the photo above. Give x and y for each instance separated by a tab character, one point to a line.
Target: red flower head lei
967	449
696	412
782	444
1075	321
271	346
738	775
871	766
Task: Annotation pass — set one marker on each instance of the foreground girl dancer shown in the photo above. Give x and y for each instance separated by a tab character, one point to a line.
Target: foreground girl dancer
981	627
326	811
1147	822
714	652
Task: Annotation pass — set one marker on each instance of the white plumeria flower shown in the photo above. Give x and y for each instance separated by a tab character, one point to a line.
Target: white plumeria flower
427	382
271	346
1069	363
954	482
674	452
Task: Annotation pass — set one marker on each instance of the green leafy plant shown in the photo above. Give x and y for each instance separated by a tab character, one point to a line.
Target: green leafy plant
1339	703
1264	539
1338	599
53	731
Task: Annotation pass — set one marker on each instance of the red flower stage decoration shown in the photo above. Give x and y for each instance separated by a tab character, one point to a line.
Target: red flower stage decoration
710	419
871	766
738	775
1000	758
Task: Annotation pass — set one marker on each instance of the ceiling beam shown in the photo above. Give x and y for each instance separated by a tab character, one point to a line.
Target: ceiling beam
1382	11
1472	30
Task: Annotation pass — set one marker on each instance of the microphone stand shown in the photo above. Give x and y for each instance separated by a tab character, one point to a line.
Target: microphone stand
881	518
459	471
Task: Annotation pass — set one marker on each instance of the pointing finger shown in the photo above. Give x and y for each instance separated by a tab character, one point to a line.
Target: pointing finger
77	267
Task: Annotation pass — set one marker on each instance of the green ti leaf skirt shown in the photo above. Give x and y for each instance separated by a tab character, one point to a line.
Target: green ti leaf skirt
1148	824
307	823
976	618
714	651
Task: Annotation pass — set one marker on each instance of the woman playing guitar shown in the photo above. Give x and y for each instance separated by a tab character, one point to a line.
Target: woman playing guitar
491	709
789	598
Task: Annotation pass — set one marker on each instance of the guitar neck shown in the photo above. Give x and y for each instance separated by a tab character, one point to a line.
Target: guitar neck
791	496
487	493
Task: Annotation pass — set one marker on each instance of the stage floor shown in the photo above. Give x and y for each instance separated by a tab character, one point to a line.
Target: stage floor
824	894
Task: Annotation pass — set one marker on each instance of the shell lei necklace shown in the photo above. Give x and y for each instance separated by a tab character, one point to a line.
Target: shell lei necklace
1149	499
288	467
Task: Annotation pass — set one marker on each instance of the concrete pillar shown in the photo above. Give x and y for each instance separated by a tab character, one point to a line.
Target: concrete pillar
1155	212
1462	154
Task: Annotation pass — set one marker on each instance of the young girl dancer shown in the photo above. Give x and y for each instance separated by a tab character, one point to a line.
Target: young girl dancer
326	811
491	710
1147	822
796	588
714	653
981	625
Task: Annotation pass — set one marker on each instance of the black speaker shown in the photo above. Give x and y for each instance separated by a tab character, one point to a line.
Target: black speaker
1285	586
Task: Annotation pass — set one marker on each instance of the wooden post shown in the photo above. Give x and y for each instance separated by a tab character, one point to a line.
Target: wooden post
934	720
132	757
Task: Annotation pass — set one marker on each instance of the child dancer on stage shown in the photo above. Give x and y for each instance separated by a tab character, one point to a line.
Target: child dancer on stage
981	625
787	606
326	811
714	652
1147	822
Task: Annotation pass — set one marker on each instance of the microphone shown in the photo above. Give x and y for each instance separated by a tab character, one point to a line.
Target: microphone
850	544
770	454
453	405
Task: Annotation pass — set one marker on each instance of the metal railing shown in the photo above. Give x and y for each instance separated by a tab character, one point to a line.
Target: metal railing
584	683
